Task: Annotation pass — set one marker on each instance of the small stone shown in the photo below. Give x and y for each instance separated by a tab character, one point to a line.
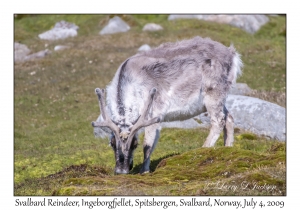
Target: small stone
61	30
115	25
144	47
20	51
152	27
60	47
40	54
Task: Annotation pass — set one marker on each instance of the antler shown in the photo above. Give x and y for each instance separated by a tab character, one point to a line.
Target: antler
107	122
142	121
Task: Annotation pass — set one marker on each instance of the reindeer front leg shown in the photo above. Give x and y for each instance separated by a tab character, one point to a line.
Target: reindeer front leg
150	140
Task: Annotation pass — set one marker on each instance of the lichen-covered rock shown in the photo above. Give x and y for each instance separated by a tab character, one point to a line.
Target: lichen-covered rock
115	25
249	23
20	51
65	25
40	54
60	47
61	30
152	27
250	114
258	116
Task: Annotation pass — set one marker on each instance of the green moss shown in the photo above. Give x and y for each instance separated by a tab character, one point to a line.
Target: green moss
66	191
248	136
277	147
187	174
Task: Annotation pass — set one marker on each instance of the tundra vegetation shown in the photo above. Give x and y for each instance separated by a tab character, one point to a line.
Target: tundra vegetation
55	152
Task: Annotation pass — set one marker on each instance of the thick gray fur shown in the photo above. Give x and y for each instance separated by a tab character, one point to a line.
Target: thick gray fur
191	77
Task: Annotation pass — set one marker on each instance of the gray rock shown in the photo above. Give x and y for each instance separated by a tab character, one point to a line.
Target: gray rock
20	51
240	89
38	55
174	17
65	25
61	30
60	47
115	25
250	114
258	116
187	124
144	47
249	23
152	27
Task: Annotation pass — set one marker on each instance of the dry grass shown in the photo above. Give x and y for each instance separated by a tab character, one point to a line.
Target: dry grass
271	96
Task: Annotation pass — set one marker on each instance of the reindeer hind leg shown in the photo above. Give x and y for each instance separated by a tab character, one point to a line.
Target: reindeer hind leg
228	129
214	106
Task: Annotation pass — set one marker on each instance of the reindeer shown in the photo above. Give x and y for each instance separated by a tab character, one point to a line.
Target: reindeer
174	81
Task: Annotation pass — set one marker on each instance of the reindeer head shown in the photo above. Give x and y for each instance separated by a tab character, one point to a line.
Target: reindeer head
124	137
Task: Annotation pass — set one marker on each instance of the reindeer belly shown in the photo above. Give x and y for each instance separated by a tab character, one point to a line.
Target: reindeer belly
183	110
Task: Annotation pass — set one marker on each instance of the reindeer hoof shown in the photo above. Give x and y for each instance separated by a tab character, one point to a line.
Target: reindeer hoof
145	172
